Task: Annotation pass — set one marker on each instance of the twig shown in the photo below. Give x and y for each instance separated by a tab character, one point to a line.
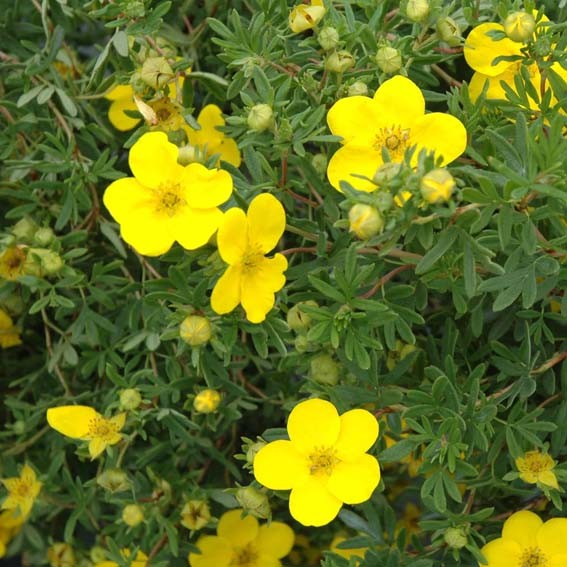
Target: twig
385	279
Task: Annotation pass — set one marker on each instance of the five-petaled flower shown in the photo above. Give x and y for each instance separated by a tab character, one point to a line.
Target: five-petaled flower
242	542
305	17
392	122
243	240
22	492
528	542
536	467
166	202
324	463
83	422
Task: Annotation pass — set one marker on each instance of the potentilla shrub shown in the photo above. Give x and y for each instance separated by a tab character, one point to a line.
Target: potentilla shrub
283	284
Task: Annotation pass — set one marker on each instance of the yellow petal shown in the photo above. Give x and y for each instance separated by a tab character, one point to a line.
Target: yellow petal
226	293
501	553
205	188
215	552
313	423
558	560
193	228
118	118
442	133
400	101
120	91
232	238
481	50
229	152
72	421
97	446
209	119
279	466
266	222
529	477
28	475
548	478
355	118
522	528
124	196
118	420
275	539
552	536
356	165
354	482
236	528
311	504
147	232
359	431
153	160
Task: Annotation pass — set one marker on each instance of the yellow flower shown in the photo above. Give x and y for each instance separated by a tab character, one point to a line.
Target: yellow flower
207	401
9	335
195	330
61	555
528	542
132	515
11	522
209	140
243	240
22	491
324	463
12	263
242	542
393	121
140	561
195	514
305	17
536	467
346	553
165	202
83	422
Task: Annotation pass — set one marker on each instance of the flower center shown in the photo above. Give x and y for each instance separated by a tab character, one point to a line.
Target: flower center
22	489
101	428
394	139
169	198
535	463
245	557
533	557
251	258
322	461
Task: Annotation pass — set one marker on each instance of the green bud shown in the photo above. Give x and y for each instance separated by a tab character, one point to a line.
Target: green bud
97	554
437	186
339	61
43	236
365	221
254	501
43	261
386	172
519	26
260	118
130	399
417	10
19	427
302	344
195	330
456	538
449	31
113	480
319	163
388	59
324	369
14	304
297	320
24	229
383	200
358	88
328	38
132	515
252	451
156	72
285	131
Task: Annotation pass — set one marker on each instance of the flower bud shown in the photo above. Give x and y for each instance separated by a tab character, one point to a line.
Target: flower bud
252	451
156	72
417	10
383	201
297	320
14	304
388	59
324	369
260	118
195	330
42	261
437	186
195	514
130	399
302	344
319	163
207	401
386	172
97	554
24	229
358	88
190	154
339	61
61	555
113	480
365	221
43	236
519	26
456	538
328	38
305	17
132	515
449	31
19	427
254	501
285	131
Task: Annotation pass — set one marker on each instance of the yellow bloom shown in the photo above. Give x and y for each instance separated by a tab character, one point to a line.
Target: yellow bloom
243	240
242	542
140	561
61	555
324	463
11	522
346	553
165	202
83	422
393	121
12	263
9	335
528	542
305	17
195	330
209	140
195	514
536	467
22	491
207	401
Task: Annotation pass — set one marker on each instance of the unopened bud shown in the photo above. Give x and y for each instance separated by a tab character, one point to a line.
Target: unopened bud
113	480
252	451
386	172
43	261
449	31
388	59
328	38
319	163
156	72
24	229
437	186
305	17
97	554
519	26
130	399
365	221
456	538
195	514
260	118
285	131
207	401
61	555
339	61
195	330
254	501
302	344
417	10
132	515
19	427
324	369
297	319
358	88
43	236
190	154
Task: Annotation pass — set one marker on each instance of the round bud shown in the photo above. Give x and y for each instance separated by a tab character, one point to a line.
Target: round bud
383	200
285	131
24	229
297	319
254	501
156	72
388	59
195	330
113	480
328	38
365	221
339	61
14	304
61	555
302	344
207	401
456	538
449	31
130	399
195	514
386	172
260	118
304	17
42	261
358	88
19	427
189	154
417	10
324	369
319	163
43	236
437	186
253	451
519	26
97	554
132	515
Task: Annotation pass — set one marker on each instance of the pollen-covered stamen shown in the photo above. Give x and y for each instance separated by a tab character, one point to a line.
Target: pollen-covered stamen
251	258
322	461
395	139
169	198
533	557
22	489
245	557
102	428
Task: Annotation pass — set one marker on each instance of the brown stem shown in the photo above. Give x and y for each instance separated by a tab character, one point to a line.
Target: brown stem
385	279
